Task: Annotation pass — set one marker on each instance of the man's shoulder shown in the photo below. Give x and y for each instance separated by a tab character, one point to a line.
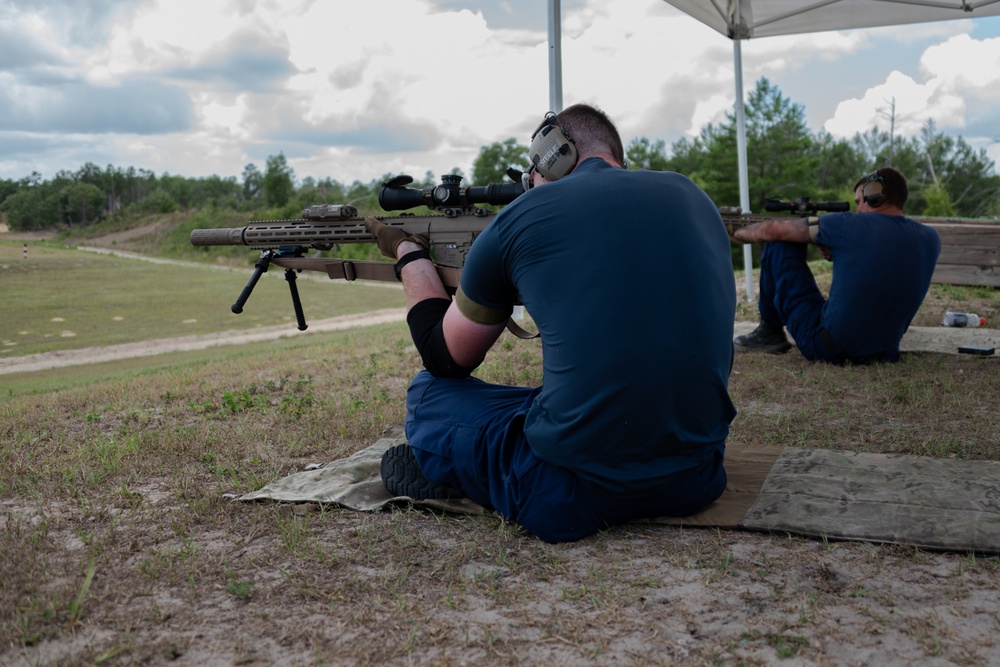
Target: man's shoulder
925	230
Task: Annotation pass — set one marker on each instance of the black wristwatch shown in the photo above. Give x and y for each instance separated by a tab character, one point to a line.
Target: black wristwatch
406	259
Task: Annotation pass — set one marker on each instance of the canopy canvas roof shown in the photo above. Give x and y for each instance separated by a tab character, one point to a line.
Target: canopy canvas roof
747	19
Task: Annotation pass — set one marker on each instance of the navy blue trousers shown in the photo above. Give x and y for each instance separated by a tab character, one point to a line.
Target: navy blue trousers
470	434
789	296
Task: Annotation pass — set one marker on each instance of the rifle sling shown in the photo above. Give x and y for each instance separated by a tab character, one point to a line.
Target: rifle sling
348	269
516	329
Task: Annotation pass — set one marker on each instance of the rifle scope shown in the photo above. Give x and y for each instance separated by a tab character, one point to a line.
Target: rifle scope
804	205
394	196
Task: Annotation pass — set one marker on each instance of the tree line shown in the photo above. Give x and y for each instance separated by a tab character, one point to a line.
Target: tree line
785	159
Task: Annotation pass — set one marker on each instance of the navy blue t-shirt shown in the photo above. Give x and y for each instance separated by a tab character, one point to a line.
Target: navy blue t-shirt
628	276
882	267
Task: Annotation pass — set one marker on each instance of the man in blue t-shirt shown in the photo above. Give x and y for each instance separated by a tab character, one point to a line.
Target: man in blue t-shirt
882	268
628	276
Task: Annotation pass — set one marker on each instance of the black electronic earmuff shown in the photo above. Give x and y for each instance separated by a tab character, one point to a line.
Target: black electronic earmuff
552	151
873	190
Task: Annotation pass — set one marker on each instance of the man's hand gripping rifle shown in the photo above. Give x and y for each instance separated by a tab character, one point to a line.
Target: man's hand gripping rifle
734	218
450	231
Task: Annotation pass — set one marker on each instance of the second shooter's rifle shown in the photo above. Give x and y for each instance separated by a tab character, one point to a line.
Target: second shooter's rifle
456	222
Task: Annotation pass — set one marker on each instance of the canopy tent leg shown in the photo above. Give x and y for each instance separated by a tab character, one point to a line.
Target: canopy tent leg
741	158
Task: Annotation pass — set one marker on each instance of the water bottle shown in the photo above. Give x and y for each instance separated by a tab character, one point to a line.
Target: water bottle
963	320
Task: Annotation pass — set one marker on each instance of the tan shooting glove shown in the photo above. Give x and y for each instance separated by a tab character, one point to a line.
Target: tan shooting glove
731	229
389	238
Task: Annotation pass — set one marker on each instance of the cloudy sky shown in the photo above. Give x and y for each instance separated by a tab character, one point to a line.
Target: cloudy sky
353	90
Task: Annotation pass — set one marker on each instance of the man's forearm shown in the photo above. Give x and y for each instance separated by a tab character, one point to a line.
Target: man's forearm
794	230
420	279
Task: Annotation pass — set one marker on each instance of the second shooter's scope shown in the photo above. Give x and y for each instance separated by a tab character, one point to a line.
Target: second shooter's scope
804	205
449	195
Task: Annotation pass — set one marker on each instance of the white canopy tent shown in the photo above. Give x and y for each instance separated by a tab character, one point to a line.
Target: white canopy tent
746	19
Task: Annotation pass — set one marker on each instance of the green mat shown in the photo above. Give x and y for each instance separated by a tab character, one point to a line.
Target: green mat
941	504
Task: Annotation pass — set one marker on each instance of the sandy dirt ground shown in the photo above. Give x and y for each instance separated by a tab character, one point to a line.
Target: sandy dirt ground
94	355
637	596
929	339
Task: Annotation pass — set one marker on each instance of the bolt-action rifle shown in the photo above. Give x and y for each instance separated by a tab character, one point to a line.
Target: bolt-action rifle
456	222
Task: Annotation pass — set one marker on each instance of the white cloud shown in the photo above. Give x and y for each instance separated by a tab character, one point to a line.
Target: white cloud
960	75
355	90
965	64
911	103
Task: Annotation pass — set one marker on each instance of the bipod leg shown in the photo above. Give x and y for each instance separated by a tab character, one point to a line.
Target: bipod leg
259	270
296	303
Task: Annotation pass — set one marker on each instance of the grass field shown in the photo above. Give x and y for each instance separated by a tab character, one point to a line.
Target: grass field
61	298
118	546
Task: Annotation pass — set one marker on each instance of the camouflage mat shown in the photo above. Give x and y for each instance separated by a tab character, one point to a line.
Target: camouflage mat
940	504
354	482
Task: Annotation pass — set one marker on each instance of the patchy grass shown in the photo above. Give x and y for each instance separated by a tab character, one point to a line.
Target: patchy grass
61	298
118	546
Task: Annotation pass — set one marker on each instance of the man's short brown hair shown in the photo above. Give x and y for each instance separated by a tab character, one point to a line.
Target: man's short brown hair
897	190
592	131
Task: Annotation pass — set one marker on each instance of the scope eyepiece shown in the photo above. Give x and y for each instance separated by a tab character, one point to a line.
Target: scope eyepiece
394	196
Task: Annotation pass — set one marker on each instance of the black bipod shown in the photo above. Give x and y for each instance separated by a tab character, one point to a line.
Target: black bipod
260	268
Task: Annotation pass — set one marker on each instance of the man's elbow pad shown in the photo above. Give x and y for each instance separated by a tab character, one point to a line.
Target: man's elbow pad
425	320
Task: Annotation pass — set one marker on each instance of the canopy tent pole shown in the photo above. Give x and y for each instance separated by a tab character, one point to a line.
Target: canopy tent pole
555	81
555	56
741	158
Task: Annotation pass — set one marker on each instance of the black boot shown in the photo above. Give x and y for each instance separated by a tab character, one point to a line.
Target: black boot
765	338
401	475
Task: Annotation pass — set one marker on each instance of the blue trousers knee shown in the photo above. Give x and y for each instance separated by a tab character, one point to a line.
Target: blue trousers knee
789	296
470	434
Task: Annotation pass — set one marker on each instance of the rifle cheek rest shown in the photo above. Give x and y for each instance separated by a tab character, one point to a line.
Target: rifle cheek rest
424	320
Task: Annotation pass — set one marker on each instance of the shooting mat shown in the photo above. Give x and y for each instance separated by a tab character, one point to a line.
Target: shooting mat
942	504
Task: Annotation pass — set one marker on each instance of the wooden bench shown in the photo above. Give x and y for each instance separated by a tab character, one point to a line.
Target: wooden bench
970	251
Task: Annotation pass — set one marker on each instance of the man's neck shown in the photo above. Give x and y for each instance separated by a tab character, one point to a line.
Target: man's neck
604	156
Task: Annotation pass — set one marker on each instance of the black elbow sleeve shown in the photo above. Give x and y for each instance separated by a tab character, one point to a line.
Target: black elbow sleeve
424	320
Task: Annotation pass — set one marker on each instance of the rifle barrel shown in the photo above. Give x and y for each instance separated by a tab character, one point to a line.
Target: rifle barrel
273	233
267	234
